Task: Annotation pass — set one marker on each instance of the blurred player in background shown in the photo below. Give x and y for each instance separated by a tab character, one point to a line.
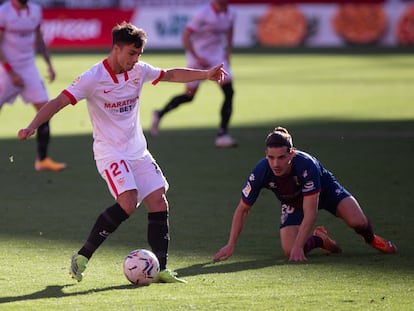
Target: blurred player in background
208	40
303	186
20	37
112	89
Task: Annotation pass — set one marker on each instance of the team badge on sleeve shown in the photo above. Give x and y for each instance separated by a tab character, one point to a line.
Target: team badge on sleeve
246	190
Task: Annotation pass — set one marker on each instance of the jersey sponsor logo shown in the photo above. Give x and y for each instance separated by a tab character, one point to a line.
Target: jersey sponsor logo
122	106
246	190
308	186
107	91
305	173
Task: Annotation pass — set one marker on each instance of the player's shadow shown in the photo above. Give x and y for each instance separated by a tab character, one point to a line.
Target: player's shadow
226	267
56	291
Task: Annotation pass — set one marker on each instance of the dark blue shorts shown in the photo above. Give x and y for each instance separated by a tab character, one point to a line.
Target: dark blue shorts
329	198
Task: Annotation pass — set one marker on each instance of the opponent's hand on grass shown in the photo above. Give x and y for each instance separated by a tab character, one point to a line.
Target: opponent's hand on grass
224	253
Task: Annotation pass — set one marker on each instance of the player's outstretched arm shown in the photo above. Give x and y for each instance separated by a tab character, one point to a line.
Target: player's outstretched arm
239	218
44	115
184	75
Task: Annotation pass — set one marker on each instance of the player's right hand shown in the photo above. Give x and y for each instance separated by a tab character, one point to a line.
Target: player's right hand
25	133
224	253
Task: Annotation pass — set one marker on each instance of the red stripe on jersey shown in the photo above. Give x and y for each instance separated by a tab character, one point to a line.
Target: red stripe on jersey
110	71
111	183
162	74
7	67
72	98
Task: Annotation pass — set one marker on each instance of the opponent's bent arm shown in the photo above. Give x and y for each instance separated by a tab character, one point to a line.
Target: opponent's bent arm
239	219
310	210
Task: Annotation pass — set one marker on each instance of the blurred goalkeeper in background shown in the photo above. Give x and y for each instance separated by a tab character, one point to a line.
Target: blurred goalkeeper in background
303	186
112	91
20	36
207	40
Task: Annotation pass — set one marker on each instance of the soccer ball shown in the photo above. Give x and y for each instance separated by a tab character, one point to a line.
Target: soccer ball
141	267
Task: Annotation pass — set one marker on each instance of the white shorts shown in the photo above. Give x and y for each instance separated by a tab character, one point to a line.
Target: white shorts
143	175
34	90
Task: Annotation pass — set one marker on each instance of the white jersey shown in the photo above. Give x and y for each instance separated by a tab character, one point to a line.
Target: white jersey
209	29
19	27
113	105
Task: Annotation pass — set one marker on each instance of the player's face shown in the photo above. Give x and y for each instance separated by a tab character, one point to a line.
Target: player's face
128	55
280	160
20	3
222	3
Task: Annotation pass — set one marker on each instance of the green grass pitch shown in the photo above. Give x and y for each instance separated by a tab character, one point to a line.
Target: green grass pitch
355	113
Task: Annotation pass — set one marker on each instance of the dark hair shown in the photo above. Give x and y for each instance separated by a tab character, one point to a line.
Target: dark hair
279	137
127	33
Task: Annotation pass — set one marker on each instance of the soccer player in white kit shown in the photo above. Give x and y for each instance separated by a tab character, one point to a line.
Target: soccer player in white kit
112	91
208	40
20	35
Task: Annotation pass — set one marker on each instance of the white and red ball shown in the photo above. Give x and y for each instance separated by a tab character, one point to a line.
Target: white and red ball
141	267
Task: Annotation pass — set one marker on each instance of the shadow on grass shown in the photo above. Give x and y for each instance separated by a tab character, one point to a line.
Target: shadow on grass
228	267
56	291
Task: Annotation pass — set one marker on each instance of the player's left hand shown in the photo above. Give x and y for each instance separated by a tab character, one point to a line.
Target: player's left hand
217	73
52	74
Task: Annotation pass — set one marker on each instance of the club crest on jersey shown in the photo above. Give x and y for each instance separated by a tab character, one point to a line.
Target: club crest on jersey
305	173
121	181
252	177
272	185
338	191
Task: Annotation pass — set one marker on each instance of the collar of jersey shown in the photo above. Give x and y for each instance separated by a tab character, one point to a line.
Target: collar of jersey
112	73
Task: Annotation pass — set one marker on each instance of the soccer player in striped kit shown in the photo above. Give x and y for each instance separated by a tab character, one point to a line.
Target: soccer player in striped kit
20	36
112	91
208	40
